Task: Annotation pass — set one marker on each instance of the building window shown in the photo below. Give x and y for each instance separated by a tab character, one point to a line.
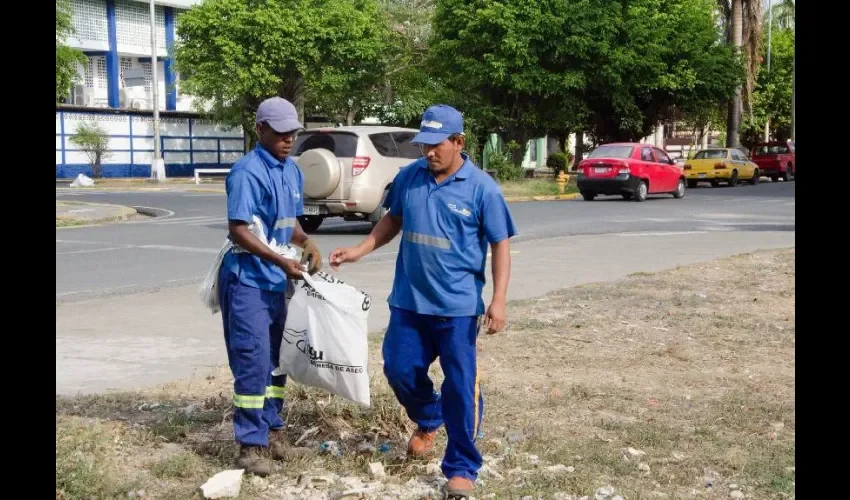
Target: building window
90	20
146	67
101	73
95	73
90	73
132	24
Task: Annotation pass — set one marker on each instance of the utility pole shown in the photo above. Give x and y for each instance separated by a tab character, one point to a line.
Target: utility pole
157	163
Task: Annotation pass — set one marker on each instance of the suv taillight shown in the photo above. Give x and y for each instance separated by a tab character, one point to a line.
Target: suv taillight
359	164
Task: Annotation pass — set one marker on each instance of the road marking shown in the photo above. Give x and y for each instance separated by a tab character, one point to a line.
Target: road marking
178	248
175	248
661	233
82	242
92	250
91	290
182	220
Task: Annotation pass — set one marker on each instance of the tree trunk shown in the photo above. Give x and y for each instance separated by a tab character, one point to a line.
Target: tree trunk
292	89
733	122
351	115
563	137
579	149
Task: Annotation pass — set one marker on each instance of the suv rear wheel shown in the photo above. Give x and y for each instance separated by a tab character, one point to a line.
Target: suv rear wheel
376	216
310	223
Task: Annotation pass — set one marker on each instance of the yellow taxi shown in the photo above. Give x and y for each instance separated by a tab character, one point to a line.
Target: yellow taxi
716	165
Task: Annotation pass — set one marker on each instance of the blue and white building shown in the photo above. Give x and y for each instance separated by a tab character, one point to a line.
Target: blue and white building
115	89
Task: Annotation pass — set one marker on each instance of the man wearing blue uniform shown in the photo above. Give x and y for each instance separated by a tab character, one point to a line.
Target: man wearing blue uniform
448	211
266	184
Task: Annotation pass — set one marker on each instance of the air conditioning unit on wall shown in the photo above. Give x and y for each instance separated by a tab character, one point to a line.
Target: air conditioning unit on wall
83	96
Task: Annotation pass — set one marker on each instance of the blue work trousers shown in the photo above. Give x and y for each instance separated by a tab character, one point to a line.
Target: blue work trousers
412	343
253	326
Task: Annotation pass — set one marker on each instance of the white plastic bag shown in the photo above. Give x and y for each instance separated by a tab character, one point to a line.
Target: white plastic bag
209	287
325	342
82	181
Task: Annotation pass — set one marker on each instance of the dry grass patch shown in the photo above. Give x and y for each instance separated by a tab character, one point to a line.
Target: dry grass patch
676	384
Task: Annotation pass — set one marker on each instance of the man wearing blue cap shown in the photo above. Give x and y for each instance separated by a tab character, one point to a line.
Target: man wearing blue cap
265	183
448	210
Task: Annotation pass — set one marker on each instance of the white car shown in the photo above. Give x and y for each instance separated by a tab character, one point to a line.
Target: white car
348	170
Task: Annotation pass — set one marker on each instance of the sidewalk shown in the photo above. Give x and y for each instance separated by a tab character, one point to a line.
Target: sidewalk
76	214
125	342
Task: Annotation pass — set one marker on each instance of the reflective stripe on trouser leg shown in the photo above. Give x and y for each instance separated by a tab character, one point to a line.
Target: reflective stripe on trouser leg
247	313
461	397
408	352
275	385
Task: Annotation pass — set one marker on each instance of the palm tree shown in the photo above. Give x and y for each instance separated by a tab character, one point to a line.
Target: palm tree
742	19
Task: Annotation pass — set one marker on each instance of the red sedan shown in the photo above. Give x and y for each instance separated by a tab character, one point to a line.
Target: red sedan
631	170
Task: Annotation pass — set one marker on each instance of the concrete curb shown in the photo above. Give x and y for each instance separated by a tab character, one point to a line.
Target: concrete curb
119	214
206	190
557	197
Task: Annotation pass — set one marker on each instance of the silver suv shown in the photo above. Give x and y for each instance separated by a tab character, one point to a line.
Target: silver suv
348	170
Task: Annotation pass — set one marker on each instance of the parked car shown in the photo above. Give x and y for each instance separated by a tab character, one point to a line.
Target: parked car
348	170
716	165
630	170
776	159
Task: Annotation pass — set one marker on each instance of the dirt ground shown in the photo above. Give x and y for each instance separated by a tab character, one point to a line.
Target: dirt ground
677	384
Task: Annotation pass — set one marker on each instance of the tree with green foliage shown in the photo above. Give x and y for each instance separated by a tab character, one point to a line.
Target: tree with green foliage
609	68
233	54
94	142
407	88
67	58
772	94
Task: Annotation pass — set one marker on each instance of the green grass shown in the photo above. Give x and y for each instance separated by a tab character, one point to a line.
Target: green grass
536	187
67	222
181	466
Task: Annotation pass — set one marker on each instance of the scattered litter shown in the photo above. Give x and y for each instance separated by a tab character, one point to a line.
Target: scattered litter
331	447
225	484
82	181
365	448
604	492
309	432
376	470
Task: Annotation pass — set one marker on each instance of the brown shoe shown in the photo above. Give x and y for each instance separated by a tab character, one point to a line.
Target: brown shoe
459	487
255	460
280	448
421	443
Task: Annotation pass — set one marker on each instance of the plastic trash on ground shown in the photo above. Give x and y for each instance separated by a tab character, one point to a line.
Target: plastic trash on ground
82	181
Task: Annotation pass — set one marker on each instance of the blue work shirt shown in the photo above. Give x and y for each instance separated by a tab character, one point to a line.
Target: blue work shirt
260	184
440	269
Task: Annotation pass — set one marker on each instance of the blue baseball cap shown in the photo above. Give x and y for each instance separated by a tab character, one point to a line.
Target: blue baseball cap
438	123
280	114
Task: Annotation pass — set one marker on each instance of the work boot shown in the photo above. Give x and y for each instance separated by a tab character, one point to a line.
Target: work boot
254	459
280	448
421	443
459	487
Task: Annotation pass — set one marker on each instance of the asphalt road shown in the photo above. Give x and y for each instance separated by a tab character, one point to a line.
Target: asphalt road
177	249
110	338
